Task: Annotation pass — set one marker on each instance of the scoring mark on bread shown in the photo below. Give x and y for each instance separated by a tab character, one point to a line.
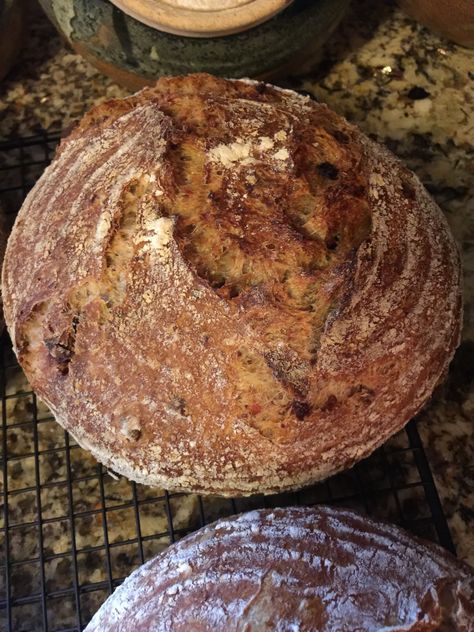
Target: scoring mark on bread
264	242
94	261
263	237
110	287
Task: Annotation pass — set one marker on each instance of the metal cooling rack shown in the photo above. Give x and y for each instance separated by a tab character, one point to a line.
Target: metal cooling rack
71	531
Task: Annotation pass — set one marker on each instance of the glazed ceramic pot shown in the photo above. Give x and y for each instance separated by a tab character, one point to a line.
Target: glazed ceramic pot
11	32
452	18
135	54
202	18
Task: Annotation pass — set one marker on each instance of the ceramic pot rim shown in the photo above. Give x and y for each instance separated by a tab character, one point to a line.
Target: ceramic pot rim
202	18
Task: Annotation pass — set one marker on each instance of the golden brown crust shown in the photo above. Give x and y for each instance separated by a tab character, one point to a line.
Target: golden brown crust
224	287
311	570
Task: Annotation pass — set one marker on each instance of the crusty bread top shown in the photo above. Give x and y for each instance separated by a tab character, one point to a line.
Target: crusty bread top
224	287
302	569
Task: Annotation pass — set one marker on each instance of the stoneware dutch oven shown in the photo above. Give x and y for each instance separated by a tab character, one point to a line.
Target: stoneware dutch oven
135	41
11	31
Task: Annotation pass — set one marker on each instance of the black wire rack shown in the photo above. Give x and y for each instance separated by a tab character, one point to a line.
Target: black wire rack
71	531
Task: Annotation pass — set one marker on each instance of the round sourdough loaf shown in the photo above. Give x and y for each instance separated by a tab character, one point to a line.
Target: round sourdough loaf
297	569
224	287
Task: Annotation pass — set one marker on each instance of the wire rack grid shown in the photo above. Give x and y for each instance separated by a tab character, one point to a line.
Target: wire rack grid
70	531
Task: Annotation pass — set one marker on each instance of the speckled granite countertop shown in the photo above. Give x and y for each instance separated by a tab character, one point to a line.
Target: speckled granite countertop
402	85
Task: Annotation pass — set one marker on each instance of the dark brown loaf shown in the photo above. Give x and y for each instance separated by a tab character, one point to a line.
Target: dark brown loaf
225	287
296	569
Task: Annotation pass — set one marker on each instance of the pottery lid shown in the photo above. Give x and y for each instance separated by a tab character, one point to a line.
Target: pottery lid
202	18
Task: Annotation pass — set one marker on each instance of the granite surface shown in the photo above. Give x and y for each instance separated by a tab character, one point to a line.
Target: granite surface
402	85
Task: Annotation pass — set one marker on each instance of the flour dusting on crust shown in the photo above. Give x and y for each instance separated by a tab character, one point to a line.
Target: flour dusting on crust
294	569
223	287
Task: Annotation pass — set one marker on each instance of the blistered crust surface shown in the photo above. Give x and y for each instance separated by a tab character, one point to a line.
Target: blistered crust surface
224	287
295	569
